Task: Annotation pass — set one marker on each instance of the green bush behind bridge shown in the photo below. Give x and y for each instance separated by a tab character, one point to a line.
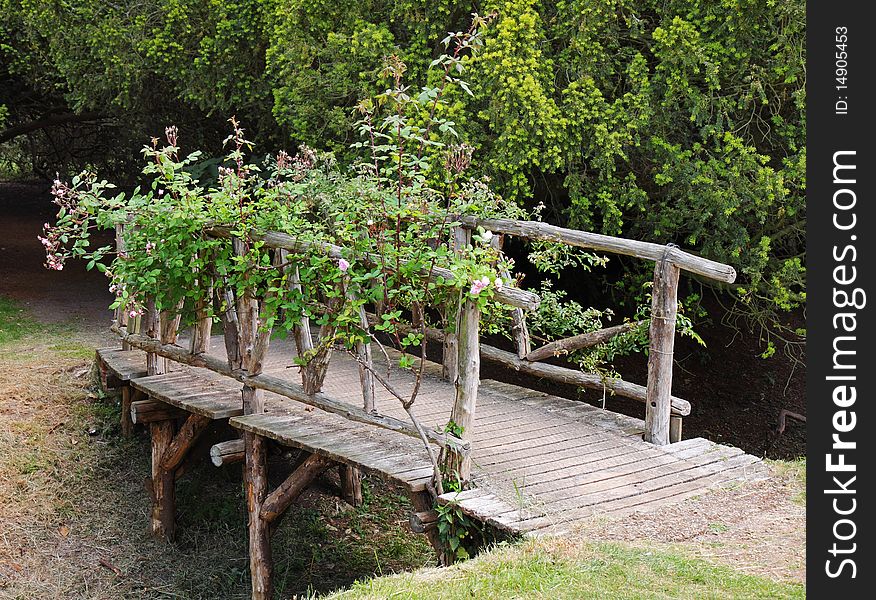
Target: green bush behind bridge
673	121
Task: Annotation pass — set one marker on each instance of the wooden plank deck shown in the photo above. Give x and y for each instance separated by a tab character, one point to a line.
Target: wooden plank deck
117	366
541	463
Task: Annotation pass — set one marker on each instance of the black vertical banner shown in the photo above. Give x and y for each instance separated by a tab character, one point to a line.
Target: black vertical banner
841	235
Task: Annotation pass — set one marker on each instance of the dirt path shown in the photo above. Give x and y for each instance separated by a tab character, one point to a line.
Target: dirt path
759	529
73	295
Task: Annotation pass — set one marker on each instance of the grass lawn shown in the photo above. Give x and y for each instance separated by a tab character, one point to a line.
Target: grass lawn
557	568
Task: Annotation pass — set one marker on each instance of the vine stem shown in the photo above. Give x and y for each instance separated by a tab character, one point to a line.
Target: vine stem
407	405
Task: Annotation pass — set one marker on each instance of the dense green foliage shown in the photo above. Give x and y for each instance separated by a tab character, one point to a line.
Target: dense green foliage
674	121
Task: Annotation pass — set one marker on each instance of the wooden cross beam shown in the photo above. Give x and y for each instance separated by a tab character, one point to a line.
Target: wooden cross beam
276	503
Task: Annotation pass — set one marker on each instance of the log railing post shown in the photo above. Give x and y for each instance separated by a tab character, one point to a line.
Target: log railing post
162	325
121	315
163	515
460	237
519	330
152	325
251	346
200	342
664	307
169	329
462	416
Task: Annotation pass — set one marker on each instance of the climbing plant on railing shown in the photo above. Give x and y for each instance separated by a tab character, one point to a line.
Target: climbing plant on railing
388	220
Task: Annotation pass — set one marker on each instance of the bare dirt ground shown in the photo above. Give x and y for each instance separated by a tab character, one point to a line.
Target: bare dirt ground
73	507
759	528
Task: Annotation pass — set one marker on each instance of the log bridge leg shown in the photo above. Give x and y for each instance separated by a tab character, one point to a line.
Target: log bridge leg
169	450
266	509
424	504
129	396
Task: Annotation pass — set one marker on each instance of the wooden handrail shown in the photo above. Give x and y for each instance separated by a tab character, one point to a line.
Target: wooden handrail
633	391
273	239
535	230
288	389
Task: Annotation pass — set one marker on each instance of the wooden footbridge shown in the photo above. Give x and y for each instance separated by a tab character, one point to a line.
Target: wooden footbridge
534	463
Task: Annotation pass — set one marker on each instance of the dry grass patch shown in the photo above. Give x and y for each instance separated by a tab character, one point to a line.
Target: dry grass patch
73	508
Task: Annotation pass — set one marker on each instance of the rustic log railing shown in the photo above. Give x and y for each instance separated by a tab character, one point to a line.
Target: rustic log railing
662	411
462	357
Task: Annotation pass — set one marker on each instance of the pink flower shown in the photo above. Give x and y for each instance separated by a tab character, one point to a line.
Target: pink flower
343	265
479	285
149	247
498	283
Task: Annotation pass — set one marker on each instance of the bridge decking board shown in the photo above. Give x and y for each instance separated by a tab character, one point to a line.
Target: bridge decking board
542	463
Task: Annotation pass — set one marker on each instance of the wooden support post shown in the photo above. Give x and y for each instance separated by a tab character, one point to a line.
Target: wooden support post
450	353
519	330
303	337
204	325
313	375
363	351
255	488
423	503
251	348
664	305
423	521
163	517
230	329
226	453
454	463
126	423
450	313
154	363
169	329
675	422
351	485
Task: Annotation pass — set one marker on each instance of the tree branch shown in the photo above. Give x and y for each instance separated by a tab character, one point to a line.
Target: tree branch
46	122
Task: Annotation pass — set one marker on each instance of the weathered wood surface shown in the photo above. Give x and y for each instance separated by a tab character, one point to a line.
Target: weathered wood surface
560	374
201	393
664	306
578	342
120	366
284	388
571	376
353	444
605	243
541	463
226	453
